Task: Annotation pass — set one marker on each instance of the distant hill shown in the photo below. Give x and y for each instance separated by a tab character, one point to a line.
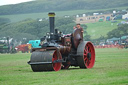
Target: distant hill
40	6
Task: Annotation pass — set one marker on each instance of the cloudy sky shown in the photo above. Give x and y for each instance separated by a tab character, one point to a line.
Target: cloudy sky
5	2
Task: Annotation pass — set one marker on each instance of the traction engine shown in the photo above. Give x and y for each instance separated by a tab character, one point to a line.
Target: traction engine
60	51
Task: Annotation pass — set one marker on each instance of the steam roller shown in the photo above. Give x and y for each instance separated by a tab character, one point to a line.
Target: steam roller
59	51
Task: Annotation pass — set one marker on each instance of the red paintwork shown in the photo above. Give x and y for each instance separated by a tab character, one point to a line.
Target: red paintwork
89	49
24	48
56	66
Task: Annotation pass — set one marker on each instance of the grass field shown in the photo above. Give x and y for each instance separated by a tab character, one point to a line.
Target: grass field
19	17
111	68
98	29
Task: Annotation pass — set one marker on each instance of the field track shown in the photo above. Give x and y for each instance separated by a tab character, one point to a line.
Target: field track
111	68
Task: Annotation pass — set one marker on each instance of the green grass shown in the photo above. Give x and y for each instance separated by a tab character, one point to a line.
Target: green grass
98	29
19	17
111	68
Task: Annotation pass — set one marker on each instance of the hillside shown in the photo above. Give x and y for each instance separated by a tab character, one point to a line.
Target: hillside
98	29
20	17
60	5
22	20
33	29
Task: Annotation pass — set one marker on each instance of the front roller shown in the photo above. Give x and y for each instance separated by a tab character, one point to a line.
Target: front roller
86	52
45	61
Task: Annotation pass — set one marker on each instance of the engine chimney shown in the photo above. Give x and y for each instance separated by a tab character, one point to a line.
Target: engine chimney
51	21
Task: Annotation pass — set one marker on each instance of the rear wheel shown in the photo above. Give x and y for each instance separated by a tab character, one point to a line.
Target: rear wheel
86	54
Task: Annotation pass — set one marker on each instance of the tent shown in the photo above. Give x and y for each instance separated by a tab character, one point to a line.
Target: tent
114	39
124	37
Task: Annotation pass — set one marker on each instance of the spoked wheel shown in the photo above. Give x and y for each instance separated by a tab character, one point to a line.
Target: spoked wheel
86	54
45	61
56	66
89	55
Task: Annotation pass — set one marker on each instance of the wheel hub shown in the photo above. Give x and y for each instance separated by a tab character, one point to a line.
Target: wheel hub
89	56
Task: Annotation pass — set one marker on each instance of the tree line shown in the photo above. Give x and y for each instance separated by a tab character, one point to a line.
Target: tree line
60	5
35	29
122	30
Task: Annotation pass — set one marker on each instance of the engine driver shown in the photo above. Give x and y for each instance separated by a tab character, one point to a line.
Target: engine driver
78	27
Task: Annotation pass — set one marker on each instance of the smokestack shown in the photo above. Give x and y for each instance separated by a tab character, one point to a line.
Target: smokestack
51	21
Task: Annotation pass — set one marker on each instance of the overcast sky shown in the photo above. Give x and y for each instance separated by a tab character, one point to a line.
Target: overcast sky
5	2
